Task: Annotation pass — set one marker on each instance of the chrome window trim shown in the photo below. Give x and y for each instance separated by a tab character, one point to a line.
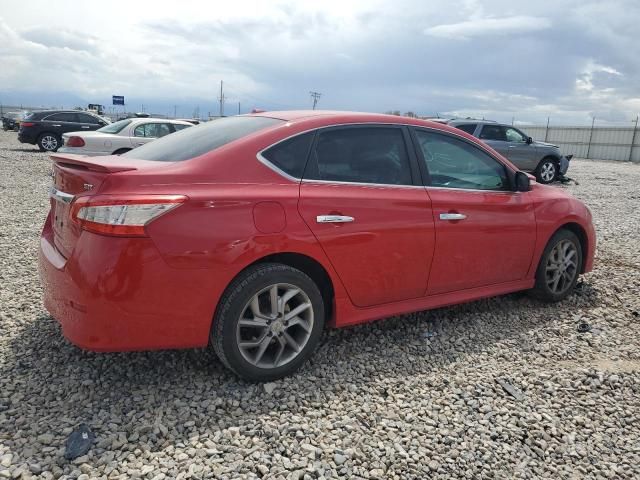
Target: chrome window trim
261	158
361	184
60	195
474	190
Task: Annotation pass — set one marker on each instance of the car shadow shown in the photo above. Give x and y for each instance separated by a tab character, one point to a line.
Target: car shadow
26	149
45	380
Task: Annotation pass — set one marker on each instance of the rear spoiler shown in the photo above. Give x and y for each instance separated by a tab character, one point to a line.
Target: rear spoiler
108	164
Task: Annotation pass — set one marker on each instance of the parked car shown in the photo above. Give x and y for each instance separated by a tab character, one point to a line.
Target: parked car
543	159
253	233
119	137
11	120
45	128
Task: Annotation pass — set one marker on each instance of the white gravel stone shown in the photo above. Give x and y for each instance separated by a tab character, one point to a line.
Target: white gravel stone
411	397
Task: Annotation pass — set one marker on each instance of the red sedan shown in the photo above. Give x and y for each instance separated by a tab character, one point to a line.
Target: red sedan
255	233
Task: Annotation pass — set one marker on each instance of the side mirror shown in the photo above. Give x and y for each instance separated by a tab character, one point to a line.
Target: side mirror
529	140
523	184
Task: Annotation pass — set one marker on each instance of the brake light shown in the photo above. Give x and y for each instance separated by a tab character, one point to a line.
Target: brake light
124	216
75	142
27	124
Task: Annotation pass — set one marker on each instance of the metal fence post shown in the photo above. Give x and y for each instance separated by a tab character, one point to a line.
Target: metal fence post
633	140
593	121
546	132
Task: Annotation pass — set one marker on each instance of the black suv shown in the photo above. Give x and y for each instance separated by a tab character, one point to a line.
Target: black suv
45	128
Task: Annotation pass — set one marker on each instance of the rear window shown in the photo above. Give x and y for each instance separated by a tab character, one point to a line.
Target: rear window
115	127
197	140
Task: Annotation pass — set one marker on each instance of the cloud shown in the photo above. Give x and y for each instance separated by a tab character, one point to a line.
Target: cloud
478	27
569	60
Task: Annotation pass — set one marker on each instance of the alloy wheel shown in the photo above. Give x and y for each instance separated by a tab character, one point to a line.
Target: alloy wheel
49	142
562	267
548	171
275	325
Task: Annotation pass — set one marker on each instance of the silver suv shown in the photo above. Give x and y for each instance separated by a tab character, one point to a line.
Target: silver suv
540	158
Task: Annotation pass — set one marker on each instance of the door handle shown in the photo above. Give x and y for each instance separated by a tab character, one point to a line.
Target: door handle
56	125
334	219
86	126
452	216
512	146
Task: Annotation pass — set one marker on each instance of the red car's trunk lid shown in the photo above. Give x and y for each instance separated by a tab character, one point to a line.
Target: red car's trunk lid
75	175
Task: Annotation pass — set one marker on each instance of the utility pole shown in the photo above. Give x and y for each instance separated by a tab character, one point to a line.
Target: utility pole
316	96
238	108
175	111
221	100
546	132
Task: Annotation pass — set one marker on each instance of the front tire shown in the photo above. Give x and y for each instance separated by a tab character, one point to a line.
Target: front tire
49	142
268	322
559	267
547	171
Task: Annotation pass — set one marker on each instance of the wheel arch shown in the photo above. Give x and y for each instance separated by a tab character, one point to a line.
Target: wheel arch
579	232
311	267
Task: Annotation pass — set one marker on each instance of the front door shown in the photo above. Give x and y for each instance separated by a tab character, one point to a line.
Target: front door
364	205
485	233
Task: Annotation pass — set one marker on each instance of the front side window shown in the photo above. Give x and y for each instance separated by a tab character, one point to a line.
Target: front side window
198	140
467	127
290	156
454	163
493	132
84	118
361	155
514	135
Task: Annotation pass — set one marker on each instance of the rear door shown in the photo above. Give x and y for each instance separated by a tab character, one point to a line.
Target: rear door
60	123
361	198
485	233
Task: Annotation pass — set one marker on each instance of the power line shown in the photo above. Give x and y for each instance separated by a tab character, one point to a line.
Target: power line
316	96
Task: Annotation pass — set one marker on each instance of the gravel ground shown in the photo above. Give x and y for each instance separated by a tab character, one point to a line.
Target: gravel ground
410	397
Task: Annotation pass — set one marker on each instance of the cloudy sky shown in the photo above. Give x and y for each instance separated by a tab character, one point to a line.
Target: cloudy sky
569	60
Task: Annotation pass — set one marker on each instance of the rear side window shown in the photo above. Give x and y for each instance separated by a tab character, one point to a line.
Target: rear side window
290	156
200	139
152	130
62	117
361	155
467	127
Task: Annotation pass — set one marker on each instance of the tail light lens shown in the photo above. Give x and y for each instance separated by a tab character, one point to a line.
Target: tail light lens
122	216
27	124
75	142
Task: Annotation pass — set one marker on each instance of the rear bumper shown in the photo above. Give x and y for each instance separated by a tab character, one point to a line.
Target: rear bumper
24	137
118	294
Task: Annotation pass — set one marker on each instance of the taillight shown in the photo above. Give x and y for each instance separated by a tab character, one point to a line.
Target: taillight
27	124
124	216
75	142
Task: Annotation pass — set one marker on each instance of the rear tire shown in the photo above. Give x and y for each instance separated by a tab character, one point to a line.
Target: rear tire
259	341
547	171
559	267
49	142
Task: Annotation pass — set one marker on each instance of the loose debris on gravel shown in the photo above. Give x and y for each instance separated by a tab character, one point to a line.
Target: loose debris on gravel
410	397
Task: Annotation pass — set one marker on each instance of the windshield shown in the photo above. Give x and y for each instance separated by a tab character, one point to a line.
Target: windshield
200	139
115	127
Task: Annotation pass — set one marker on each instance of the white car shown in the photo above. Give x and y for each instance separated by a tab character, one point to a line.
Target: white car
119	137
